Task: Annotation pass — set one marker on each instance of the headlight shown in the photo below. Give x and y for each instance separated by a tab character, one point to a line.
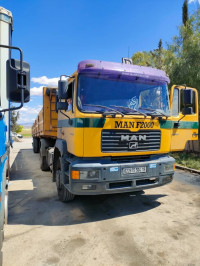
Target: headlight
169	167
94	174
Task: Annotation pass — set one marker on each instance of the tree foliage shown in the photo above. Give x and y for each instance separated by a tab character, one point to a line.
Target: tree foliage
181	58
13	122
185	12
186	48
19	128
158	58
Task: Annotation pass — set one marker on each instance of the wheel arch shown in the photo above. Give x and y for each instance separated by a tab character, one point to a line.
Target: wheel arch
59	151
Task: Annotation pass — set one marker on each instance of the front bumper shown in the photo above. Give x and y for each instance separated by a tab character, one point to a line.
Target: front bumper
112	178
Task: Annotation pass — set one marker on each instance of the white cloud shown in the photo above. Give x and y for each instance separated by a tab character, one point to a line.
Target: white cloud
24	120
46	81
28	114
192	1
36	91
30	110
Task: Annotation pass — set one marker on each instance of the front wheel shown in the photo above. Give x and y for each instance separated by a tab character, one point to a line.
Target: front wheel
64	194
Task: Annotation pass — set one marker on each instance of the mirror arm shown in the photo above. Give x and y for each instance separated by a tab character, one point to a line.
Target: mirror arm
15	108
184	86
15	48
21	78
181	118
65	115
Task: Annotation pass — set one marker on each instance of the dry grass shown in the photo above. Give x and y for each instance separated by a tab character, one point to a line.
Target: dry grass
188	159
26	132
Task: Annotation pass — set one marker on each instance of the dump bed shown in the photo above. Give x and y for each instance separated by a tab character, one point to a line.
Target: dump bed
45	124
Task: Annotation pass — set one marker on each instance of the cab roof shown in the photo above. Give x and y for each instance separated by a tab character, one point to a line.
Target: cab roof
128	71
6	15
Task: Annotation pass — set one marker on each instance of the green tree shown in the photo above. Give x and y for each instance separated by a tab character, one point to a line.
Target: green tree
19	128
160	48
185	68
142	59
185	13
181	58
14	117
15	127
158	58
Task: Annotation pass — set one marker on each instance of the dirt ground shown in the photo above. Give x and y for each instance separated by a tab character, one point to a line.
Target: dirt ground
160	226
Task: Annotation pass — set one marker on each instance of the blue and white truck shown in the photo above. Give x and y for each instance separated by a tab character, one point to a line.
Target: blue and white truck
14	87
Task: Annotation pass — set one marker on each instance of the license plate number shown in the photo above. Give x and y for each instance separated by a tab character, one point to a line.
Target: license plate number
135	170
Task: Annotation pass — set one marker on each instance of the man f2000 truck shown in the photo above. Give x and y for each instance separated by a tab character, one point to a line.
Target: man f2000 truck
14	87
117	135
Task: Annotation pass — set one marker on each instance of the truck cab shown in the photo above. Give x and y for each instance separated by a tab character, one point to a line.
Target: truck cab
14	87
5	38
121	127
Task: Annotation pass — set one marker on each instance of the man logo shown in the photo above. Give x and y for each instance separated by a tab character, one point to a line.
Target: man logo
133	145
133	137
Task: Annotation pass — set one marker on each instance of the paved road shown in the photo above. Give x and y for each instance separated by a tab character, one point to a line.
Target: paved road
159	227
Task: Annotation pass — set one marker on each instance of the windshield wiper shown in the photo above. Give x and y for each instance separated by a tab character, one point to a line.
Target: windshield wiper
154	111
95	111
113	111
130	109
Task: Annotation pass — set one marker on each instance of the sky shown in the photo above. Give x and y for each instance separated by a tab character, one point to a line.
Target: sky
56	35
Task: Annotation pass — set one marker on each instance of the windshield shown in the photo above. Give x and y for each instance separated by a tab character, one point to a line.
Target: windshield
96	93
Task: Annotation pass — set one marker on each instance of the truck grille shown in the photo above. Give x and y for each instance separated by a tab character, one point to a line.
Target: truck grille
125	140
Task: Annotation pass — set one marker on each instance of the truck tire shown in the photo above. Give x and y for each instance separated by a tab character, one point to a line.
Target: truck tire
6	209
64	194
1	258
1	239
43	163
36	145
1	244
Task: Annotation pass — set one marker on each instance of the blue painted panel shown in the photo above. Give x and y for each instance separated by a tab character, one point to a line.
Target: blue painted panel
3	129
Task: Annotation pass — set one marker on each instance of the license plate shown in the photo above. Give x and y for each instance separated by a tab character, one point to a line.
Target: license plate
135	170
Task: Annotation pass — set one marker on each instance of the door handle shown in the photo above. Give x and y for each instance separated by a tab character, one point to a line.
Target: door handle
176	124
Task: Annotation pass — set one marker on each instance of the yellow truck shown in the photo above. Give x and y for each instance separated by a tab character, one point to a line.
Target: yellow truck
109	128
44	129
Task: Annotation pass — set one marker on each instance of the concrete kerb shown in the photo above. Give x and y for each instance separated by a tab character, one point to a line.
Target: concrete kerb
178	166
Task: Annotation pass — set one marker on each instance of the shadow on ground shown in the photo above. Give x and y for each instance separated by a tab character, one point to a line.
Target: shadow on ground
40	205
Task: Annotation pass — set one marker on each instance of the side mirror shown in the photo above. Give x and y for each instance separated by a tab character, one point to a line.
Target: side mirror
188	111
187	97
61	106
62	89
17	80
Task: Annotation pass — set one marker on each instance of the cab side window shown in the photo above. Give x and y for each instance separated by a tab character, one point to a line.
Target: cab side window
70	96
175	102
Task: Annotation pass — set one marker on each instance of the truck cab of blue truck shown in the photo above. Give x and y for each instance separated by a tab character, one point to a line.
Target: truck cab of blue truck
14	87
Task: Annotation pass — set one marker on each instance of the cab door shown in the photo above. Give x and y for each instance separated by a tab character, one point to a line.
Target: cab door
185	116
